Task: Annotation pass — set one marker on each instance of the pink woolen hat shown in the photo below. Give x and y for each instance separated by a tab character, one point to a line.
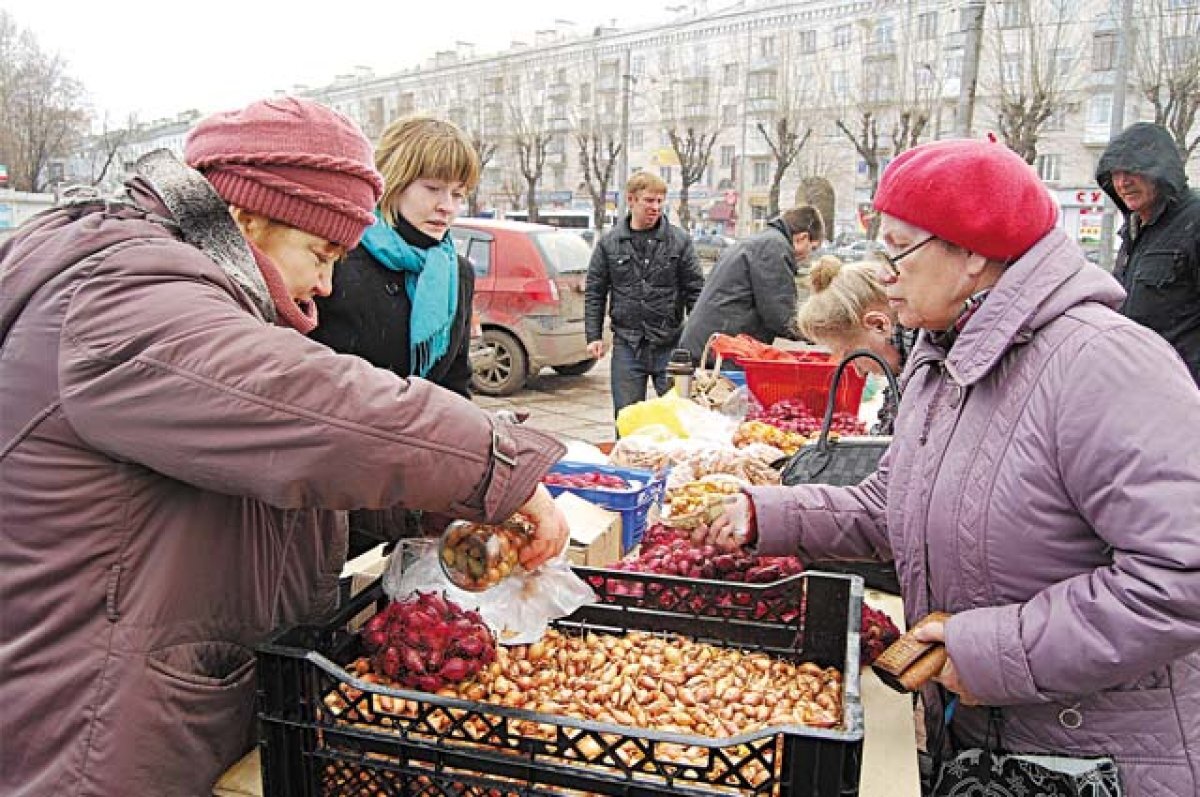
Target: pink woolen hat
979	195
294	161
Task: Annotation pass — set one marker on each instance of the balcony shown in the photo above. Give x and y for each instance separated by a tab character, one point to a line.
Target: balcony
764	62
558	124
608	83
558	90
761	106
696	114
881	49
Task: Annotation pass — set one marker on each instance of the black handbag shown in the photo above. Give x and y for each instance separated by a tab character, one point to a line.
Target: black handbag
839	462
845	462
987	772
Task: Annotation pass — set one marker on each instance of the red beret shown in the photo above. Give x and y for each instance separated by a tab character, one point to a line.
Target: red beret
979	195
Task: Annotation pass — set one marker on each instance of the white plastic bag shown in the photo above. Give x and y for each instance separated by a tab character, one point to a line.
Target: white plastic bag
518	609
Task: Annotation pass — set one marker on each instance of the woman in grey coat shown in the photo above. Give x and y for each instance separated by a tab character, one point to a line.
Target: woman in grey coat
1042	486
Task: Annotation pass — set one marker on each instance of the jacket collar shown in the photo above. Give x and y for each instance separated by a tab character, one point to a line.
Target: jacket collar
1044	283
659	232
204	221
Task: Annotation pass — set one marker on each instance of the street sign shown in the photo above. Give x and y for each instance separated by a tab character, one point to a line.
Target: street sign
3	176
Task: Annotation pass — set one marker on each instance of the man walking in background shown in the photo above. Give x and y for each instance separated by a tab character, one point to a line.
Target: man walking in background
645	277
1159	261
752	290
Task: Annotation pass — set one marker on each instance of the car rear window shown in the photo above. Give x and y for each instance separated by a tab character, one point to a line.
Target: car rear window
564	252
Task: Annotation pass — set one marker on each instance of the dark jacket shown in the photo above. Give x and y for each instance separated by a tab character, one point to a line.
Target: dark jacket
751	291
1039	492
648	297
368	315
171	466
1159	261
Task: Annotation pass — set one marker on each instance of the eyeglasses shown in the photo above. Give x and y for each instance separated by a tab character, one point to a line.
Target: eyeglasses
893	261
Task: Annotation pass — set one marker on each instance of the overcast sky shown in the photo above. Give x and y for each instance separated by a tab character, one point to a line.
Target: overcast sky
156	58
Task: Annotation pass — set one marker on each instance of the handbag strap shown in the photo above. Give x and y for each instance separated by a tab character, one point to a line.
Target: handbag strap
702	366
827	423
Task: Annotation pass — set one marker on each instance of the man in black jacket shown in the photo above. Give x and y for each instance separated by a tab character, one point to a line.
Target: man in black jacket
752	290
1159	262
644	276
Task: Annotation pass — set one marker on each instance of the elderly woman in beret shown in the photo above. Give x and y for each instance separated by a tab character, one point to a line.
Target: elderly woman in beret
1042	487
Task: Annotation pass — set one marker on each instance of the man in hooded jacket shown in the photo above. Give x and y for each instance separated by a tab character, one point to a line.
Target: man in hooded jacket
1159	261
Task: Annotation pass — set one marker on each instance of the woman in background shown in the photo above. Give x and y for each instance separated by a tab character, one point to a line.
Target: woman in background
402	299
847	311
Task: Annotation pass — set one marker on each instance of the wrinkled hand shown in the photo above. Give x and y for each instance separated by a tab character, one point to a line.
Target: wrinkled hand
731	529
596	348
948	677
550	533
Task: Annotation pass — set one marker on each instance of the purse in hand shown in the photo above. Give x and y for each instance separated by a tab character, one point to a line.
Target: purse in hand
909	664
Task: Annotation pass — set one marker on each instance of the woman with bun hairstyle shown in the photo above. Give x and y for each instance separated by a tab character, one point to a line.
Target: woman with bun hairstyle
847	311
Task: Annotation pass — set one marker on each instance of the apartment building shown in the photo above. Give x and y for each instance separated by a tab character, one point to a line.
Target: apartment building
744	85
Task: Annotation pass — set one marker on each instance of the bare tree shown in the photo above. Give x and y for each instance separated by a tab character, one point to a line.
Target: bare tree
41	110
105	149
690	113
778	97
531	140
485	151
598	154
1167	68
1034	58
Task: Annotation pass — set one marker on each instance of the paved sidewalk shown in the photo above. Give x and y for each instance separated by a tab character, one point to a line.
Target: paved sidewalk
570	407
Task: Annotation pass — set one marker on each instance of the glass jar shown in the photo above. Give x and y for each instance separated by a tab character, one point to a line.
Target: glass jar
478	556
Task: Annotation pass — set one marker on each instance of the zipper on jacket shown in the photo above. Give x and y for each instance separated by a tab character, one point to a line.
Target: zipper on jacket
112	592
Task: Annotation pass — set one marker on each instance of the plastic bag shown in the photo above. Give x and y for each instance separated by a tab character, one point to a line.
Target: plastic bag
518	609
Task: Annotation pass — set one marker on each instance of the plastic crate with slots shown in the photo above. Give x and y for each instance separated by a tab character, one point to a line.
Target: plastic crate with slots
806	377
634	505
309	750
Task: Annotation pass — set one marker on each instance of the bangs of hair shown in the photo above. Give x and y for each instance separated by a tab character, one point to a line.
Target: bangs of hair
423	147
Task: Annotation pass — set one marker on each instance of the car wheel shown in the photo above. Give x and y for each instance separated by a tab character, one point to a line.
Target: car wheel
507	373
575	369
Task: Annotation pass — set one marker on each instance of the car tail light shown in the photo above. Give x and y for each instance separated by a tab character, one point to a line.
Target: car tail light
544	291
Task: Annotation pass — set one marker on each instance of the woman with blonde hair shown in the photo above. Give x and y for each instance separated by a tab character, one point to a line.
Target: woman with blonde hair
847	311
402	299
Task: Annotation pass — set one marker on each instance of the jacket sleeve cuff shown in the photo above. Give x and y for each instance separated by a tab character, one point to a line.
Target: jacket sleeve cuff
985	646
778	534
520	457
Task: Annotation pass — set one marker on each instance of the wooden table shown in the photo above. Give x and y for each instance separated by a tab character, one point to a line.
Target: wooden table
889	742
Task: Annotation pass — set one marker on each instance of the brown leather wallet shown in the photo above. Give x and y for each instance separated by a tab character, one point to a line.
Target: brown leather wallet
908	664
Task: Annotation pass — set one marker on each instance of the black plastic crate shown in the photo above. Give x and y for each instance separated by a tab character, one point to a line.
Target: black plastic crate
461	748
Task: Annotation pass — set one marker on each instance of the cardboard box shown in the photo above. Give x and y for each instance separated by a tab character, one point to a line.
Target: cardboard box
595	532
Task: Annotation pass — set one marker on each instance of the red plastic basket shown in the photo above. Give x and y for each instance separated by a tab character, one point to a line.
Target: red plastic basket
807	378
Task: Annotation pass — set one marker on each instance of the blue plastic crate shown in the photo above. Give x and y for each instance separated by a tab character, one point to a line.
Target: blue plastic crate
737	377
633	505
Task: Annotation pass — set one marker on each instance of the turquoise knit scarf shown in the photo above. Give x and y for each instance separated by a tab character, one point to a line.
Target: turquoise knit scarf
431	281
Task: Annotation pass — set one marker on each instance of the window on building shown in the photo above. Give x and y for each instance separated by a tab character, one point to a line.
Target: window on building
585	92
766	47
728	115
762	173
927	25
729	75
636	138
1104	51
637	65
884	30
1048	167
762	85
1100	110
806	41
610	106
839	84
1010	69
1056	121
1180	49
954	65
1011	13
923	77
841	37
727	156
666	173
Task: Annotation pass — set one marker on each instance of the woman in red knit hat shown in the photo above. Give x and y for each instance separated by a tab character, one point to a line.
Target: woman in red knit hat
1041	487
175	454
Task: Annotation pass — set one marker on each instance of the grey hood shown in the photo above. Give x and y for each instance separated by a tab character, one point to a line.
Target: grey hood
1148	149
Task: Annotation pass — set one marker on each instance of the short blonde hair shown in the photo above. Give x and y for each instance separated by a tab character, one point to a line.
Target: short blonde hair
841	296
422	146
645	181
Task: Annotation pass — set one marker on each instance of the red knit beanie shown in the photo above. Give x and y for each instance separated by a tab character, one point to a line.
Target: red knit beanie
979	195
293	161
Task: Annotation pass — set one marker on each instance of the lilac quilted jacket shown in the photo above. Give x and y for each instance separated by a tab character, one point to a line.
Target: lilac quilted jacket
1044	487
